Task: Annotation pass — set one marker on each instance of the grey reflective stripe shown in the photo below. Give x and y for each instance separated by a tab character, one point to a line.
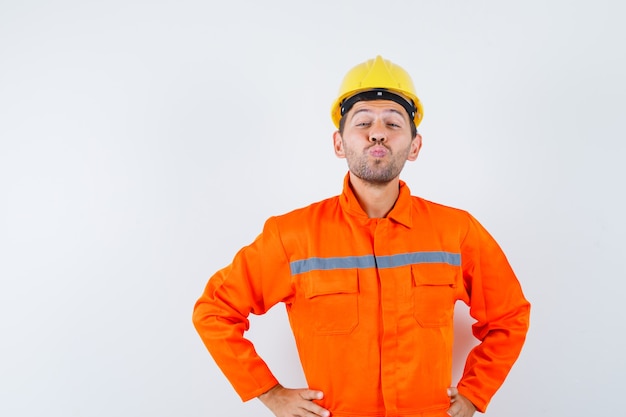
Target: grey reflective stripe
324	264
413	258
369	261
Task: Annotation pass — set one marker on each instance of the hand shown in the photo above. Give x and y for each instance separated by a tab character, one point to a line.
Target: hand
285	402
460	405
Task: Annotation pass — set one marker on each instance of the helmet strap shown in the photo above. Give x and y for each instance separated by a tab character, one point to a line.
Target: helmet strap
378	94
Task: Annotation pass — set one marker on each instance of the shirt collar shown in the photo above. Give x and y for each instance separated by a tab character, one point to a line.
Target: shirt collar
400	213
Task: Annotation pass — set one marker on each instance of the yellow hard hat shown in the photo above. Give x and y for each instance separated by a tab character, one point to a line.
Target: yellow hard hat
383	78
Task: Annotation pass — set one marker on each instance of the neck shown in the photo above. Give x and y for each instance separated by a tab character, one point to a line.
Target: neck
376	200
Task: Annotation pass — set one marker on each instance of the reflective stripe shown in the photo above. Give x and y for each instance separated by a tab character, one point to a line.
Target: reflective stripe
413	258
325	264
369	261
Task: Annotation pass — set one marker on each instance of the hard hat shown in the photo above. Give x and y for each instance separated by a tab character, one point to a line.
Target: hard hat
386	80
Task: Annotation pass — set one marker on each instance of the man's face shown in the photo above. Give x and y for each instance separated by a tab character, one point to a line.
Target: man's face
376	141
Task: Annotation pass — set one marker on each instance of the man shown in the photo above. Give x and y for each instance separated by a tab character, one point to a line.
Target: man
369	279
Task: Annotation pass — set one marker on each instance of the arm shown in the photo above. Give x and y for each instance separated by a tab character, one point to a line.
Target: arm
258	278
502	316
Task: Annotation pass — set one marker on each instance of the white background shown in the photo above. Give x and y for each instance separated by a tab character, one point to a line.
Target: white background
142	143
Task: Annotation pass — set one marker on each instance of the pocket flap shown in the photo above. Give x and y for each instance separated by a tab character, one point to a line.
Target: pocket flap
434	274
331	282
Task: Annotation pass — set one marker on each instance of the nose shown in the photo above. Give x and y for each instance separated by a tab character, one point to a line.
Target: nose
378	133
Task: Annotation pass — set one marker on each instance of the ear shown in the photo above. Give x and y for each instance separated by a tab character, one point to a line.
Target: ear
416	145
338	145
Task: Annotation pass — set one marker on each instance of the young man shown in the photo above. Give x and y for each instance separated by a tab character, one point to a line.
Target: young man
369	279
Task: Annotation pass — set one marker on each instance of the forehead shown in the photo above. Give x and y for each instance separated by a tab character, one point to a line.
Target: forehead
378	107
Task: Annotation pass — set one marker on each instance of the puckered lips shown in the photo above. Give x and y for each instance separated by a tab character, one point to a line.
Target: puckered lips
378	151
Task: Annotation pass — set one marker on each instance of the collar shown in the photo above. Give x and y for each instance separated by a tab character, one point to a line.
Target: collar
400	213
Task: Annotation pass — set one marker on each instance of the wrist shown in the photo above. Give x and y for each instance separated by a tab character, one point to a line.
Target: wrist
268	394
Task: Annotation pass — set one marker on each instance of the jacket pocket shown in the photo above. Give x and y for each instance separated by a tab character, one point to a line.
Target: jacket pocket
331	299
433	294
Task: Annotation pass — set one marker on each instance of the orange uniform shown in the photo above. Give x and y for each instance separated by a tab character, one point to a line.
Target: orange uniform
370	303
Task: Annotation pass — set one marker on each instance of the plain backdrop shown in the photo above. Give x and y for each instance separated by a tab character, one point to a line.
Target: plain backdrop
142	143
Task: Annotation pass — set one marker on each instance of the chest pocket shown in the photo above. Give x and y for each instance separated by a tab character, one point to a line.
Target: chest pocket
434	289
331	301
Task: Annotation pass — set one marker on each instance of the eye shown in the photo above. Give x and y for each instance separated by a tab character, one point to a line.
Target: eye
395	125
362	123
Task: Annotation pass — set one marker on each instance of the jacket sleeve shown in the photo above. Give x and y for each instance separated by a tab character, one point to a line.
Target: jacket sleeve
501	311
258	278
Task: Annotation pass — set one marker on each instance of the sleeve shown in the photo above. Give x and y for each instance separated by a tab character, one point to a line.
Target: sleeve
501	312
258	278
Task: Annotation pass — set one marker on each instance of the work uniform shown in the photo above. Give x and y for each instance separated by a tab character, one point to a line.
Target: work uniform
370	302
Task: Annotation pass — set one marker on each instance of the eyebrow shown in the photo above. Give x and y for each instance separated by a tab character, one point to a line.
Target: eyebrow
371	111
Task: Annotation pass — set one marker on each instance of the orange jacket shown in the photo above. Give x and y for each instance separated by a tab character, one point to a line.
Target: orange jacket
370	303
